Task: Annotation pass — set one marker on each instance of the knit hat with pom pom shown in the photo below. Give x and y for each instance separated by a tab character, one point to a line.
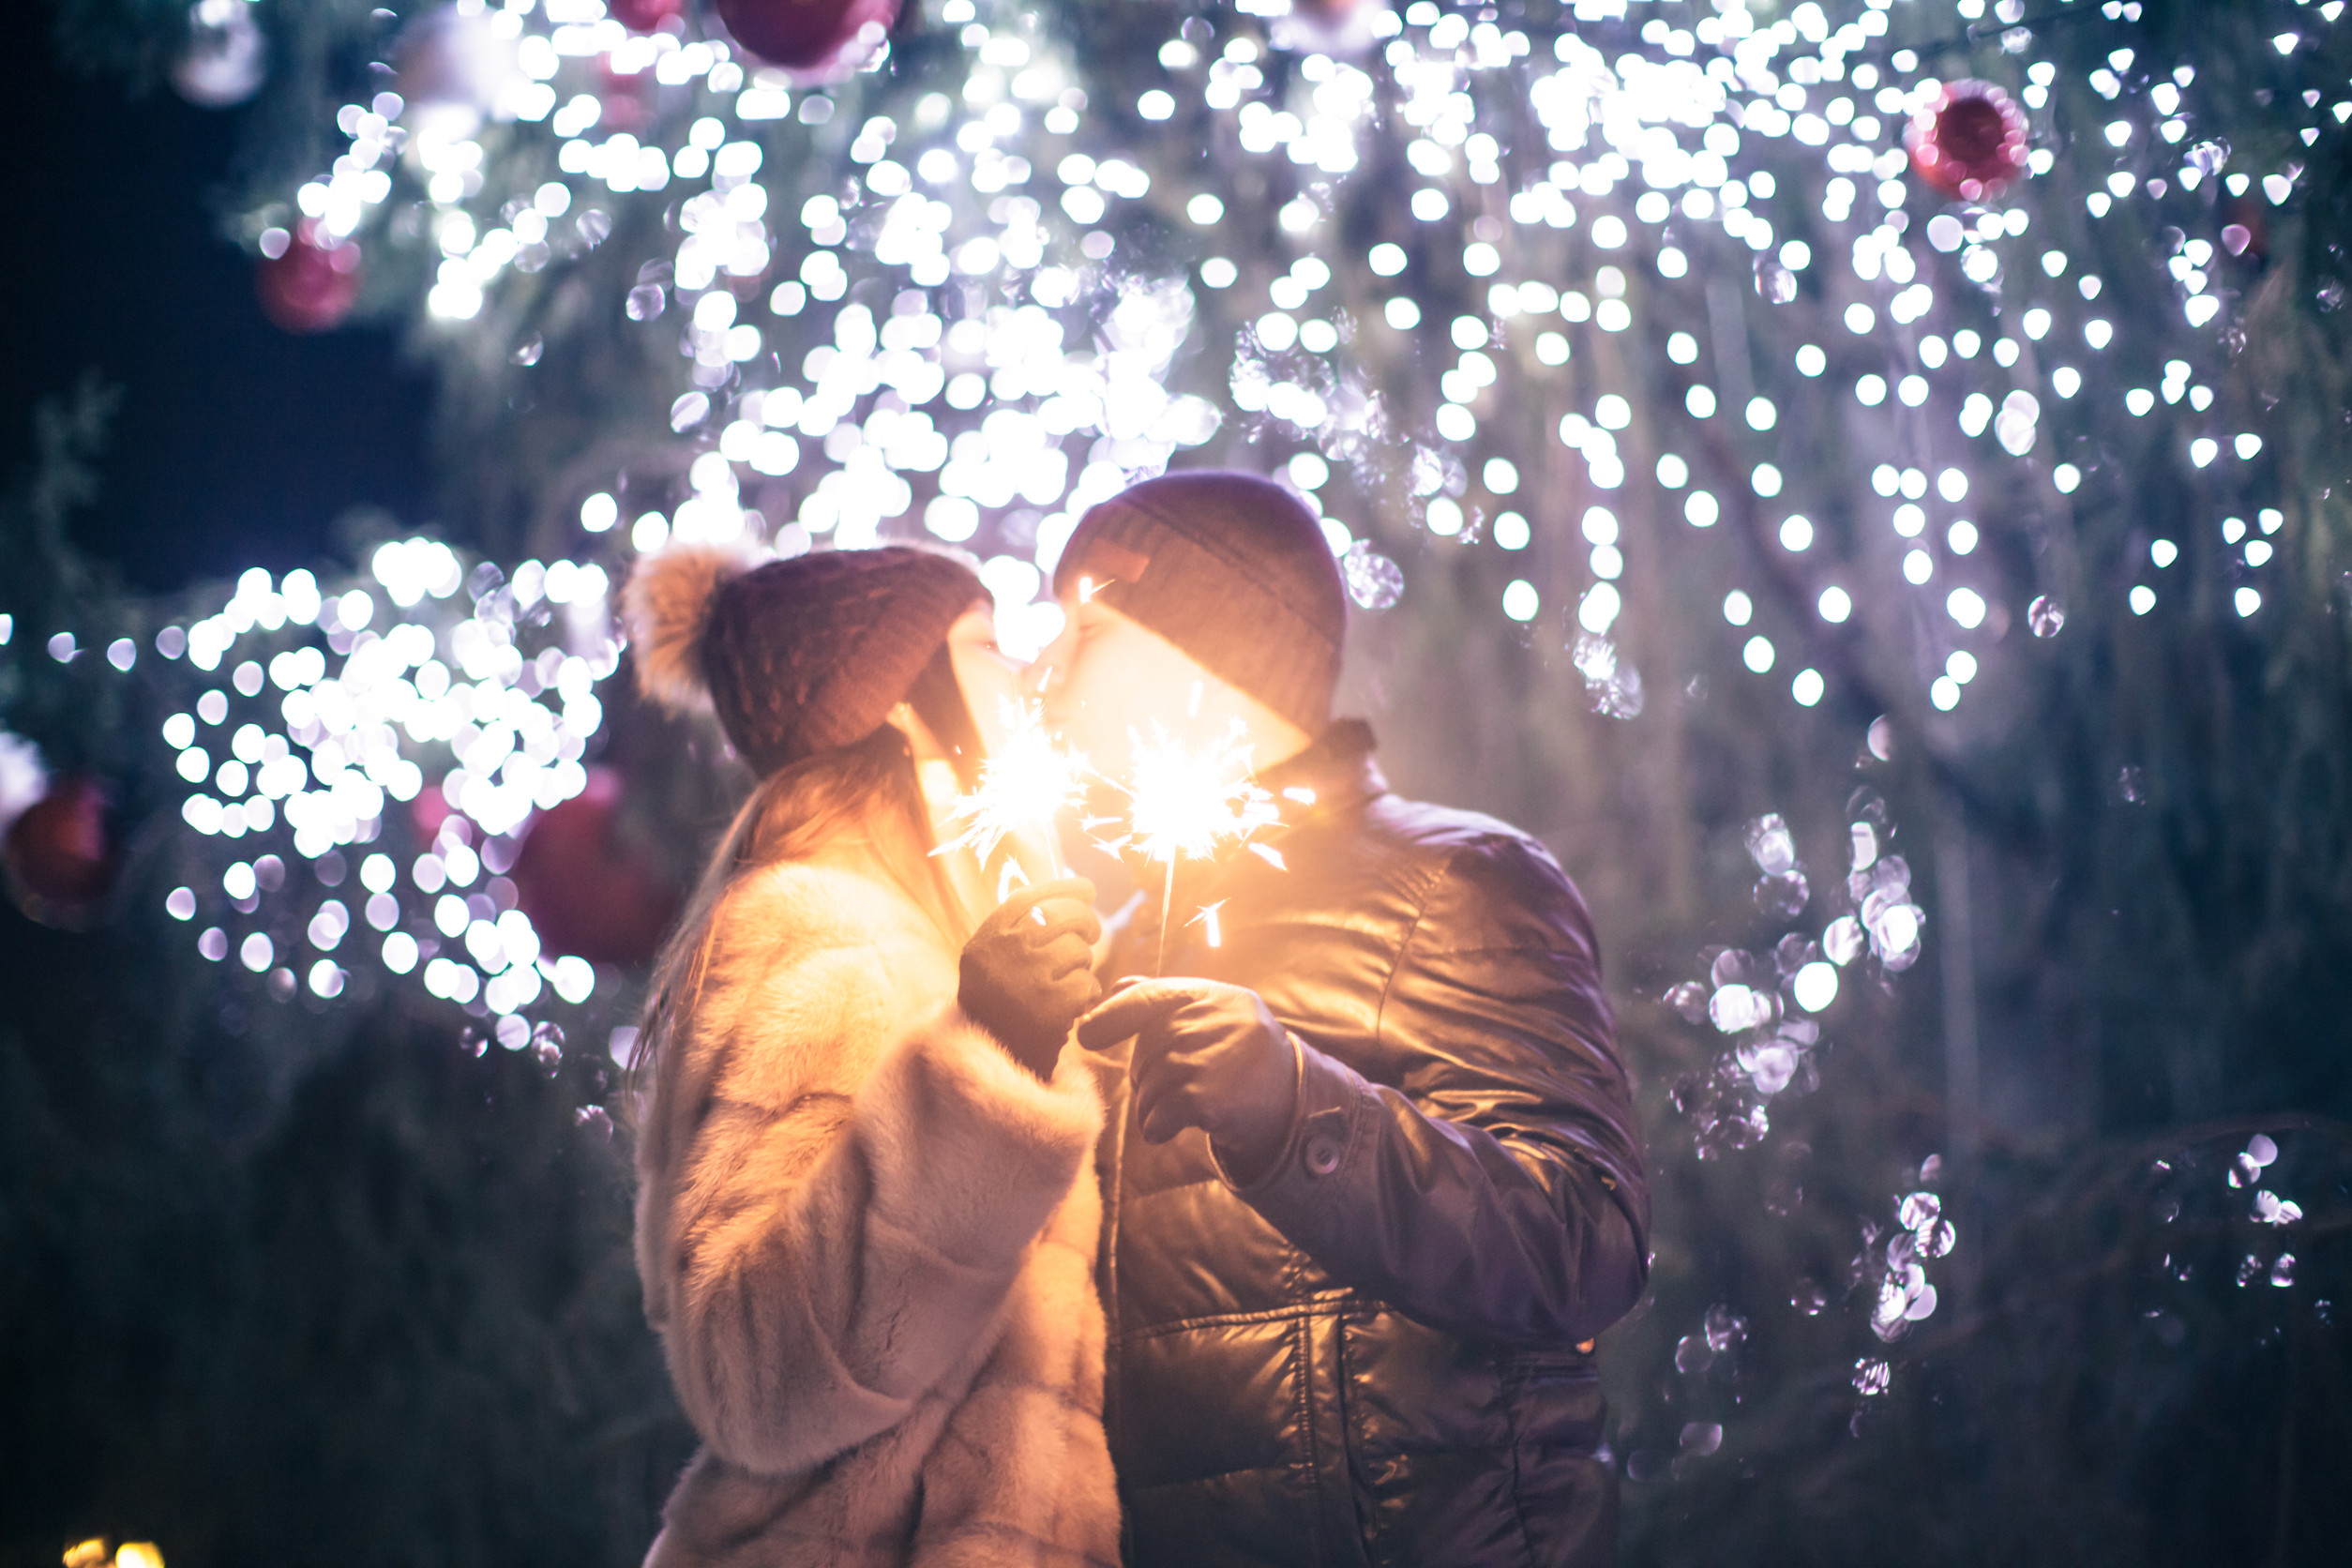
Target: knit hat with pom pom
797	657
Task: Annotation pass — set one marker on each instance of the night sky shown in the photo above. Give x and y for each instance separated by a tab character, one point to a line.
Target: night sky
235	444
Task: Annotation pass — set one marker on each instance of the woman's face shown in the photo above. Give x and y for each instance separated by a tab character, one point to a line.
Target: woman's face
991	677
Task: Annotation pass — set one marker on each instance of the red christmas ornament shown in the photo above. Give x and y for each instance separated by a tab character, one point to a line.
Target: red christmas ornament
61	852
802	35
1968	142
623	95
584	891
310	284
643	16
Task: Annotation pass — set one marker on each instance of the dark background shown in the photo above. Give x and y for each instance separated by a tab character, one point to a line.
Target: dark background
241	1298
369	1298
234	445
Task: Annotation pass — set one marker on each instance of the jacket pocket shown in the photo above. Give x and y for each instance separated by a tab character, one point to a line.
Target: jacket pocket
1555	1399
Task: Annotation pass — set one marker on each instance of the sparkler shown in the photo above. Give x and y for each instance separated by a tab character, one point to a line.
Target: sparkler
1184	804
1026	782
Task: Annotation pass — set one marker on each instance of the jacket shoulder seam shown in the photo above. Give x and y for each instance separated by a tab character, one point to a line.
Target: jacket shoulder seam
1404	944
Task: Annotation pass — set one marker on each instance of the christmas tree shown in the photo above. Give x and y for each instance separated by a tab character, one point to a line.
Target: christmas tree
1856	478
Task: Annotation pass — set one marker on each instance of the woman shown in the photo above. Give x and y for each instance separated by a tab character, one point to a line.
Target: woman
867	1220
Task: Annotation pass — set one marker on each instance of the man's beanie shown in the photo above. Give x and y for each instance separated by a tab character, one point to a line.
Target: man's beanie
1229	568
797	657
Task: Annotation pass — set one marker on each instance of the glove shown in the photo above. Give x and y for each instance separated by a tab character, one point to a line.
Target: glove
1207	1055
1027	971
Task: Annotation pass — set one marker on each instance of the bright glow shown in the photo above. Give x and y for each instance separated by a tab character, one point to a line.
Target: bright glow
1796	534
1599	608
1966	606
1814	985
1835	604
1026	781
1807	688
2248	600
2142	600
1758	654
1184	804
1737	607
1520	600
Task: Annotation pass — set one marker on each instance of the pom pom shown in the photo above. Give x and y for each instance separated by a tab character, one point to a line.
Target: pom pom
665	606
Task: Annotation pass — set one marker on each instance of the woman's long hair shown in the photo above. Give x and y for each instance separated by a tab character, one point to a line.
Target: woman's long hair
869	791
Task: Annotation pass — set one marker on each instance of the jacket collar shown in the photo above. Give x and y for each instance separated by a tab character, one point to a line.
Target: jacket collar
1333	774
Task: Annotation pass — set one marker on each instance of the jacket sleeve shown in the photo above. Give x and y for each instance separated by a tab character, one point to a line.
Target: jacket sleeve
1497	1190
849	1205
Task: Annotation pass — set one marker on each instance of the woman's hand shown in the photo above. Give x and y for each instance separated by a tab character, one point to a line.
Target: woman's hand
1027	971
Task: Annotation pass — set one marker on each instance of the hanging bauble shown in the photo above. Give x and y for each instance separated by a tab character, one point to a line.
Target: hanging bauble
309	282
452	69
225	57
62	855
1330	26
1969	141
643	16
626	98
585	891
806	34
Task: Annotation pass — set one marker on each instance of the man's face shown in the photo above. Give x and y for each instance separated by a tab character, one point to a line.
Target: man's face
1105	675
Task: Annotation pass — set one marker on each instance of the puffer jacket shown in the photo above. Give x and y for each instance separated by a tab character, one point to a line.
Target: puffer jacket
1380	1351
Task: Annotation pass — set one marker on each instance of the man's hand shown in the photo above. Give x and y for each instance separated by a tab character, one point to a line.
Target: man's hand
1025	972
1207	1055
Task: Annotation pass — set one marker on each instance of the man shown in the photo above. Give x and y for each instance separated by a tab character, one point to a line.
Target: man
1371	1184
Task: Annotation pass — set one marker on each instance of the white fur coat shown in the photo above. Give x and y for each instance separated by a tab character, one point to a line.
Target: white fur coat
867	1240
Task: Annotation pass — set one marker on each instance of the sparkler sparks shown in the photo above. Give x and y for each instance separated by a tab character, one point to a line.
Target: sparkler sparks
1026	782
1185	804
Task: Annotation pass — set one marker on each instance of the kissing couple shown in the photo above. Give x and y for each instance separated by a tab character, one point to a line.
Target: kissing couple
967	1248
